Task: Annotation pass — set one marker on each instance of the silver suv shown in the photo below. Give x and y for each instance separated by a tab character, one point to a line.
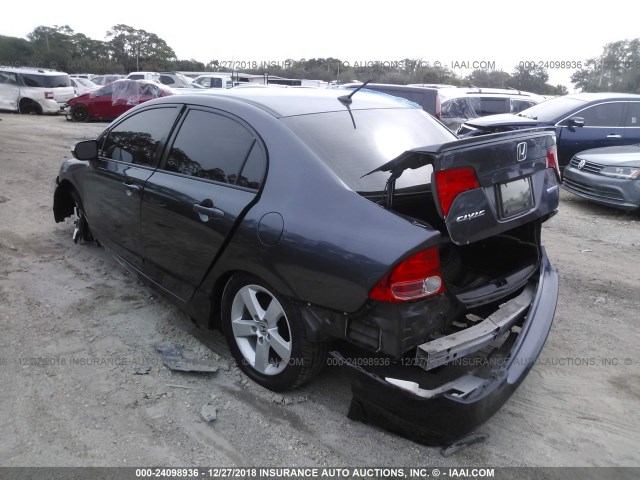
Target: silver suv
457	105
31	90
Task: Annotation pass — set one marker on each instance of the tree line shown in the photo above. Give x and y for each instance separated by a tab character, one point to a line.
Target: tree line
127	49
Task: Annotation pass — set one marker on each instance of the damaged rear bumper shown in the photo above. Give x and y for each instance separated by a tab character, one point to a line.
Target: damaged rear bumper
397	401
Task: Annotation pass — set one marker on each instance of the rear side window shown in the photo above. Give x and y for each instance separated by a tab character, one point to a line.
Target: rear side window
136	139
167	80
212	147
136	77
633	115
8	78
45	81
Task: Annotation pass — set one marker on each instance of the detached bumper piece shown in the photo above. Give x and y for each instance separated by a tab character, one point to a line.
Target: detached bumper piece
483	366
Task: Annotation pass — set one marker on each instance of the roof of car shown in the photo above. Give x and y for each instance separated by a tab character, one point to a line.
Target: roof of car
389	86
39	71
287	102
590	97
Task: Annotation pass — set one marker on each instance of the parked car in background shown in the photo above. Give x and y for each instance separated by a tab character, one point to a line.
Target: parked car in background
106	79
30	90
82	85
609	176
212	81
461	104
149	76
114	99
265	212
454	105
174	80
582	121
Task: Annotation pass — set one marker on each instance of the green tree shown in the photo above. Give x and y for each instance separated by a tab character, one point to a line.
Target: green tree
489	78
616	69
138	49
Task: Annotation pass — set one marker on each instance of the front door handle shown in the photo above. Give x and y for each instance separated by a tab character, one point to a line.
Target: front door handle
131	188
207	211
614	135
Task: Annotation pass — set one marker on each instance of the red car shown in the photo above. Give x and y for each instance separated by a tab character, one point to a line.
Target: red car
113	100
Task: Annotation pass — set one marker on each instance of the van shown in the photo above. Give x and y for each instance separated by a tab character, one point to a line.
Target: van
34	90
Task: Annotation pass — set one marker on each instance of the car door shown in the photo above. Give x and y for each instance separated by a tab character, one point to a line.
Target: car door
603	127
9	91
112	187
99	104
209	177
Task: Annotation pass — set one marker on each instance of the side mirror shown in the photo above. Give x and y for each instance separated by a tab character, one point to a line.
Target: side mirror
576	122
86	150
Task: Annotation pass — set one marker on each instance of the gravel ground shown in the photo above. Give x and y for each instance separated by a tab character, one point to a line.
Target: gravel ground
90	325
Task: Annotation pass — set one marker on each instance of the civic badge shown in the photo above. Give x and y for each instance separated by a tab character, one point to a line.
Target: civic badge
521	151
581	164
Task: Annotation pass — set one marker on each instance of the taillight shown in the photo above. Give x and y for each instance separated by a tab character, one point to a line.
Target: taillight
438	107
451	183
552	161
48	95
416	277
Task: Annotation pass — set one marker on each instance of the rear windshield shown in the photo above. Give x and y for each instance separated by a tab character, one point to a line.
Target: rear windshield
553	109
45	81
380	136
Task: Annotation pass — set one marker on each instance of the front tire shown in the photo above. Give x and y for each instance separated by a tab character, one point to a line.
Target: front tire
81	230
266	337
79	113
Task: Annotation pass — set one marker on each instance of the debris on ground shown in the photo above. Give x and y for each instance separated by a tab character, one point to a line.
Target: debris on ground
209	412
462	443
144	370
173	359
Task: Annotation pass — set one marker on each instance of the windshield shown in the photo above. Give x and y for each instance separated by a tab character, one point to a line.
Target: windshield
552	110
85	82
381	135
45	81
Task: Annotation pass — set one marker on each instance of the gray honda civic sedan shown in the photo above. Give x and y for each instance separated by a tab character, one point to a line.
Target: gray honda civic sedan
299	219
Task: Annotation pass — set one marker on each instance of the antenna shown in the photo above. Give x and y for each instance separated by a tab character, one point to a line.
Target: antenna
346	99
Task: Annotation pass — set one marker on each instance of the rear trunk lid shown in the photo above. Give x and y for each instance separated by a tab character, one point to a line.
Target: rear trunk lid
484	186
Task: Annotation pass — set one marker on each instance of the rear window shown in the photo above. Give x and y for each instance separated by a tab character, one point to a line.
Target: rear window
45	81
380	136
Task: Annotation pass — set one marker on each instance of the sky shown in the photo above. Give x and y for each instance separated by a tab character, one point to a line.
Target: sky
460	35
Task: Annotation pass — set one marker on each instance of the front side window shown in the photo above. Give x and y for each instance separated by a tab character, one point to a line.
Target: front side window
603	115
211	147
167	80
136	139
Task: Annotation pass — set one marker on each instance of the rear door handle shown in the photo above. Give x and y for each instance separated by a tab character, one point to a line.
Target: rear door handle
131	188
614	135
207	211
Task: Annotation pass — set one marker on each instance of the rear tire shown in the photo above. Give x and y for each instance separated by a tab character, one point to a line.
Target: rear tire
79	113
29	107
266	336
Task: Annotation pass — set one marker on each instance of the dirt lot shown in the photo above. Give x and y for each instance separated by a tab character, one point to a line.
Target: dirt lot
89	325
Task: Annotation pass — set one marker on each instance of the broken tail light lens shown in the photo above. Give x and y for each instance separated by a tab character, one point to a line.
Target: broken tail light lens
552	161
451	183
438	107
417	277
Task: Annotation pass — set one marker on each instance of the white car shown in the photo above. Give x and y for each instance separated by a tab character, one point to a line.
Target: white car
34	90
83	85
150	76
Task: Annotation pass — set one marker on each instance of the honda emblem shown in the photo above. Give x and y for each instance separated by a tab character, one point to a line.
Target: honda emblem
521	151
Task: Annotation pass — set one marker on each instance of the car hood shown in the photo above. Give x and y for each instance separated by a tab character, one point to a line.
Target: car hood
623	155
80	98
505	119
